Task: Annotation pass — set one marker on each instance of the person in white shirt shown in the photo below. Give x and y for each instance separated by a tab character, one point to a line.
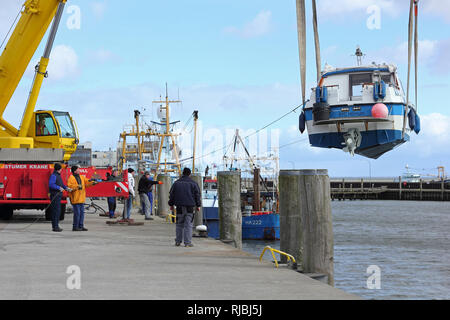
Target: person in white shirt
129	202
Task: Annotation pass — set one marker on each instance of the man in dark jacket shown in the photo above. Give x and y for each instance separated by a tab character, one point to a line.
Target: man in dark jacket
56	187
185	195
144	187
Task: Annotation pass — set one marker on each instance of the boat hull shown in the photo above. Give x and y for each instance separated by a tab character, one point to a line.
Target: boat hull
378	135
255	227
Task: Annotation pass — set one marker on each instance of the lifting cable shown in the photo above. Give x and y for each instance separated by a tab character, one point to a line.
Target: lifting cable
251	134
12	25
316	40
301	30
413	10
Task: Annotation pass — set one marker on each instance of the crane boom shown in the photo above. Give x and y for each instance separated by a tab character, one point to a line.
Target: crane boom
35	19
44	135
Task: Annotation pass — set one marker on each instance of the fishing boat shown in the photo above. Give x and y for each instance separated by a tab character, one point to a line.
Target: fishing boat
359	110
410	176
260	225
362	109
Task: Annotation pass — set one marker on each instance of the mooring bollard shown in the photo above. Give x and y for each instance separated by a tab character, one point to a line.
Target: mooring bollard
162	191
315	208
198	219
291	234
230	216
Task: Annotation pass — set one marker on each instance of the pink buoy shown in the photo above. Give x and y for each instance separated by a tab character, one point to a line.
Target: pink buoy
380	110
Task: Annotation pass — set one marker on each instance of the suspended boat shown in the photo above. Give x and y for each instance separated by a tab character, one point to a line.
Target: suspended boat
359	110
363	109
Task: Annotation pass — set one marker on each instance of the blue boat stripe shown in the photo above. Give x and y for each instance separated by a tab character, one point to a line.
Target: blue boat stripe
366	111
355	70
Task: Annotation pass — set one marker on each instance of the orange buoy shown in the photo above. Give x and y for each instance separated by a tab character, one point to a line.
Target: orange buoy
380	110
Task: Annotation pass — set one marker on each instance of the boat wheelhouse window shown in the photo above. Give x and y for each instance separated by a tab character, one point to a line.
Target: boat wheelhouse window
356	83
386	78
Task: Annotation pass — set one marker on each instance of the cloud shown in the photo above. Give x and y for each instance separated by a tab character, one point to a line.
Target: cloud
63	63
438	8
98	8
342	8
440	57
103	56
433	54
259	26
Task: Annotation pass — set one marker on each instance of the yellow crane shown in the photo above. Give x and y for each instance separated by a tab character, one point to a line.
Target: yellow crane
43	135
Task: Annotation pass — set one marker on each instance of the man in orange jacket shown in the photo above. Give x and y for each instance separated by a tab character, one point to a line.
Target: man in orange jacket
78	184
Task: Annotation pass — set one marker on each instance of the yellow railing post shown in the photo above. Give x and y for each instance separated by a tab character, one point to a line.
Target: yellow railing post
289	257
171	216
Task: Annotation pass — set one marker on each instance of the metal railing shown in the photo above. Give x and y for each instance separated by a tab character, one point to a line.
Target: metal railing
272	250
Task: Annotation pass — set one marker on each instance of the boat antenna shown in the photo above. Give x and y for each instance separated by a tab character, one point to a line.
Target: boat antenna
359	55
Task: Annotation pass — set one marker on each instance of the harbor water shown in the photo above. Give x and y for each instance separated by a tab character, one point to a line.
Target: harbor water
408	242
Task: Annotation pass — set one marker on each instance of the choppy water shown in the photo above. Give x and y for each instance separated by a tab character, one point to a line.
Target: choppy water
408	240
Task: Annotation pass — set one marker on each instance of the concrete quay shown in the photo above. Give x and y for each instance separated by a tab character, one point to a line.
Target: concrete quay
137	262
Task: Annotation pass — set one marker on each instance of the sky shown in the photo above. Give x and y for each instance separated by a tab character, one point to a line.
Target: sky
236	62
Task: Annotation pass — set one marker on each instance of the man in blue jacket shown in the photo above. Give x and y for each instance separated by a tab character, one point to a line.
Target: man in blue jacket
185	195
56	188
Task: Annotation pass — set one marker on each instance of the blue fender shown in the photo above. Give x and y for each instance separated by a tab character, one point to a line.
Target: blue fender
412	119
417	127
302	122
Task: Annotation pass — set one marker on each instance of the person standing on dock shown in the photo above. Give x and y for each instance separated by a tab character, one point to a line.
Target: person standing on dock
56	187
150	193
129	202
78	183
185	195
112	202
144	187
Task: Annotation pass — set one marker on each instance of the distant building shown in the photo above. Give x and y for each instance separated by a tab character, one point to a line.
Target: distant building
104	158
82	156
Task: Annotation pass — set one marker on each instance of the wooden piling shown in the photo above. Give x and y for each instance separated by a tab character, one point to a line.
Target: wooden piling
198	219
315	208
162	192
291	232
230	216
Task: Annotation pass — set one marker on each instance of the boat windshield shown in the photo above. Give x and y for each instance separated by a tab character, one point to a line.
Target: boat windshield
356	84
65	124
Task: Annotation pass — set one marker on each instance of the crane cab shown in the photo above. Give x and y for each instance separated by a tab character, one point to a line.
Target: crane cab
54	129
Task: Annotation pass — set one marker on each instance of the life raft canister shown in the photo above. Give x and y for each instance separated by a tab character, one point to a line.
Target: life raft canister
321	109
379	90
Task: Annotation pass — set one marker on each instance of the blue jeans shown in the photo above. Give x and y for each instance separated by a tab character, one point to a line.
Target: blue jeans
111	206
183	229
78	215
150	198
55	209
145	203
128	207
